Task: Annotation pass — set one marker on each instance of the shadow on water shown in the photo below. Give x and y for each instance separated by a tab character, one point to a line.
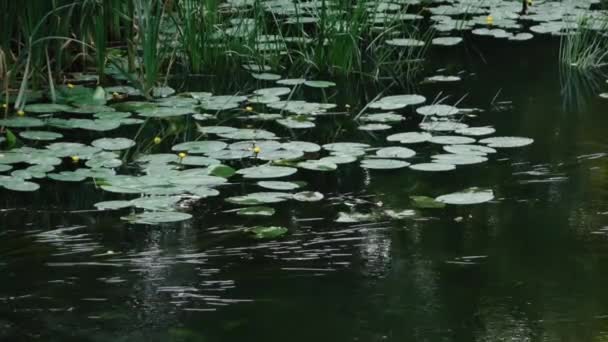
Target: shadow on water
529	266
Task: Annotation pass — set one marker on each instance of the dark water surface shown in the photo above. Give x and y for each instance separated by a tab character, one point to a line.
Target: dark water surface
530	266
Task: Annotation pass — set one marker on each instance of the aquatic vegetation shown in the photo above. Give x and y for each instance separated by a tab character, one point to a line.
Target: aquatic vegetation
583	44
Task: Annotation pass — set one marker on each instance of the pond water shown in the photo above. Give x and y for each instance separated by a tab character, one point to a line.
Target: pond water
527	266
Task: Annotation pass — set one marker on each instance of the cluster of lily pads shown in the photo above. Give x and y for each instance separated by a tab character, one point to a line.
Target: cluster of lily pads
194	170
503	19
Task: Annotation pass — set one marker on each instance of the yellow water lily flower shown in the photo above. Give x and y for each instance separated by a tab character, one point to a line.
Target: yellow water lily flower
75	159
249	109
347	106
20	112
529	2
71	86
157	140
182	155
257	149
490	20
4	106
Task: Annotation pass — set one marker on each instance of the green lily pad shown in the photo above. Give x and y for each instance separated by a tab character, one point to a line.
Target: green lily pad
266	233
470	196
256	211
469	149
265	171
383	164
437	109
165	112
258	198
21	122
113	205
47	108
458	159
113	144
303	146
318	165
40	135
276	185
410	137
451	140
507	142
395	152
319	84
397	102
18	184
425	202
67	176
159	217
433	167
308	196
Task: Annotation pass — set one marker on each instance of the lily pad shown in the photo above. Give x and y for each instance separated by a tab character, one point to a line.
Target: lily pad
437	109
319	84
458	159
470	196
266	233
451	140
318	165
410	137
256	211
476	131
397	102
469	149
433	167
113	144
507	142
425	202
308	196
47	108
276	185
303	146
113	205
159	217
40	135
265	171
395	152
21	122
383	164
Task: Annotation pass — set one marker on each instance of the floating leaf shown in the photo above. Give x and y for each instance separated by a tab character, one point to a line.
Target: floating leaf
256	211
318	165
265	171
383	164
159	217
275	185
265	233
469	149
470	196
113	144
113	205
303	146
397	101
458	159
451	140
410	137
395	152
437	109
47	108
424	202
506	142
21	122
308	196
433	167
40	135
